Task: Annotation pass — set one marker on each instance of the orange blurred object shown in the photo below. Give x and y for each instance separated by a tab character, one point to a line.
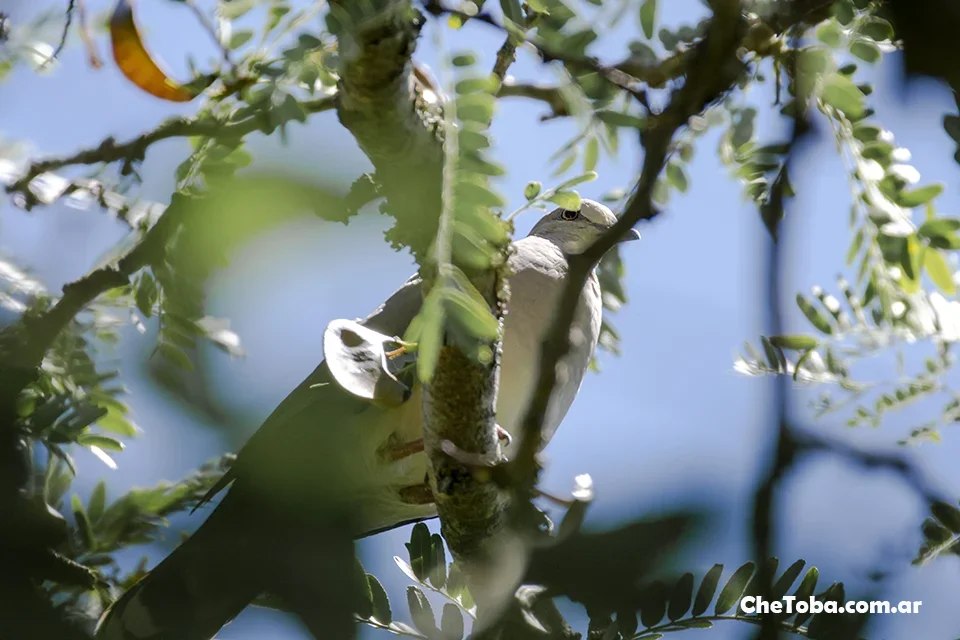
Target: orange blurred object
135	62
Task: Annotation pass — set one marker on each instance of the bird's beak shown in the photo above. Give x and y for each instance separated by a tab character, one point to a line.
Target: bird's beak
630	236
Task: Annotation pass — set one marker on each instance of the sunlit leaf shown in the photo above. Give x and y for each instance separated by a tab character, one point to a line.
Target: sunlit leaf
648	17
939	271
840	93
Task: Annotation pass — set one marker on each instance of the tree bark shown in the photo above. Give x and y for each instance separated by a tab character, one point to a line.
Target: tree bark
388	111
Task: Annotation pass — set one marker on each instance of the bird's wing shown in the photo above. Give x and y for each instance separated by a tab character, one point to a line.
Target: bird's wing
318	392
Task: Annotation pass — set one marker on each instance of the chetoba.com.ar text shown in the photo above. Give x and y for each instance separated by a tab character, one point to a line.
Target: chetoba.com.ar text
791	604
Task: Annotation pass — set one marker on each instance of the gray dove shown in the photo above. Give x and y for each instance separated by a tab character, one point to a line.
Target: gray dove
380	468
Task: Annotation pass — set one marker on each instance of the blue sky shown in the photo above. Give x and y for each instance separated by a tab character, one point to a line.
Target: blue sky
667	421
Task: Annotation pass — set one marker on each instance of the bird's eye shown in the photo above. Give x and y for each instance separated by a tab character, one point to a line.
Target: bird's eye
566	214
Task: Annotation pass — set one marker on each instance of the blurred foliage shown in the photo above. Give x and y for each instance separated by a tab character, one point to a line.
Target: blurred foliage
639	611
888	304
277	67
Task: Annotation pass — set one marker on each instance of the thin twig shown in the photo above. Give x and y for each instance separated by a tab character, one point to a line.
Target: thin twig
241	123
71	5
92	55
551	96
212	30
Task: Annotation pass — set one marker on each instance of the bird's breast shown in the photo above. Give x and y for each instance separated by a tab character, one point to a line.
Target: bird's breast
532	308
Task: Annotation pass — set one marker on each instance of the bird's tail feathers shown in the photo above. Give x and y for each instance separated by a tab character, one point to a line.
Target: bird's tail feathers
192	593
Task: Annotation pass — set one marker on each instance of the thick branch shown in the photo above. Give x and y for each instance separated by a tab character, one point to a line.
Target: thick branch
458	408
390	114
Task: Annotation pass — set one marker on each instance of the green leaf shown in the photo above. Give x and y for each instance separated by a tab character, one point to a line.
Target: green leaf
569	200
732	591
865	132
627	623
840	93
83	523
917	197
575	180
146	295
234	8
451	622
940	231
813	315
406	568
364	604
567	162
661	192
785	581
866	50
380	601
277	12
418	550
490	84
695	624
805	590
240	38
948	514
430	335
648	17
855	246
471	193
707	590
681	597
438	562
772	354
875	28
104	442
512	10
477	107
878	150
620	119
421	612
843	12
796	342
939	271
653	605
463	60
591	155
830	34
470	314
98	501
175	356
677	177
472	140
116	423
476	163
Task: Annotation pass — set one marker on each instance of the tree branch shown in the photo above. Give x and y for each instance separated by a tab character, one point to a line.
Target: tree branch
239	124
391	114
551	96
24	344
714	68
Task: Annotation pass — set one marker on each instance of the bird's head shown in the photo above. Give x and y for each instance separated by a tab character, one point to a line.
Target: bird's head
575	231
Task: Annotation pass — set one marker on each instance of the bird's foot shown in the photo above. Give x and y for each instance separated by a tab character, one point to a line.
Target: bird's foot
563	502
392	452
469	458
417	494
396	353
